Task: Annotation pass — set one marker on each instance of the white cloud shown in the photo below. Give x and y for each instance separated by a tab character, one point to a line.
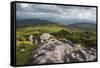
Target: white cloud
24	5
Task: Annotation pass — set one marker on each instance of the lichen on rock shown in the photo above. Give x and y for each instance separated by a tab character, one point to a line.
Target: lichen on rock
56	51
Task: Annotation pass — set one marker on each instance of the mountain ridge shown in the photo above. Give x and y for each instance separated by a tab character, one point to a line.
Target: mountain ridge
84	26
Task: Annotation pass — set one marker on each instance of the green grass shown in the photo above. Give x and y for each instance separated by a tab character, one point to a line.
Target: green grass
37	29
22	58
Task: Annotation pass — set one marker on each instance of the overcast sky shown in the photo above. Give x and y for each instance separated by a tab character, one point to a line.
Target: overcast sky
56	13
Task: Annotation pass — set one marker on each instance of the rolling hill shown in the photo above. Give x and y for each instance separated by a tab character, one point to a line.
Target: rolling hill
83	26
32	22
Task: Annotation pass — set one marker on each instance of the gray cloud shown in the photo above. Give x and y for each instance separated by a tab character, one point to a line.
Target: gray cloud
56	13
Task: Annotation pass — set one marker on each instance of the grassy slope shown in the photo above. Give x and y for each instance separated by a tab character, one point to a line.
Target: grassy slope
23	58
83	26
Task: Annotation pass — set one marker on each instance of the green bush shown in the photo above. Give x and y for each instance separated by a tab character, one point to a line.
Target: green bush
85	38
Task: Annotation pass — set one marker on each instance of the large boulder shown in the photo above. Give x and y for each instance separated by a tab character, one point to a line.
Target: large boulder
45	36
55	51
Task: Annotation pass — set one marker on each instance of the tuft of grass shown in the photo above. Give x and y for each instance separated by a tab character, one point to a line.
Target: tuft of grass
22	58
24	43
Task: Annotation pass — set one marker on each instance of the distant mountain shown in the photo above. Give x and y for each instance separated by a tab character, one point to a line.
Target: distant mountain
83	26
33	22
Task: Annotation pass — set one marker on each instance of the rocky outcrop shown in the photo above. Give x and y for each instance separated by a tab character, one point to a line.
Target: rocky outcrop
51	50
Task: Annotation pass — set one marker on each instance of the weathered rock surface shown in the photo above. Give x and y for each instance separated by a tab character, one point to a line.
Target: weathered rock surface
52	50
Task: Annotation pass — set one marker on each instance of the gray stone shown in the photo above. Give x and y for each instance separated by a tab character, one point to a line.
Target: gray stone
56	51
